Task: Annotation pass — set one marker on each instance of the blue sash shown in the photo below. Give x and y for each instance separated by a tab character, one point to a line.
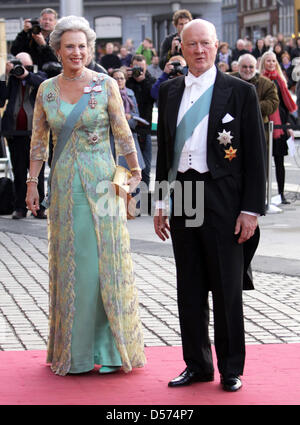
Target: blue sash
187	125
62	139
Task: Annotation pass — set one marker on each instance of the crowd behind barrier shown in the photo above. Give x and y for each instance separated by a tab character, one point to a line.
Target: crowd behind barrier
145	68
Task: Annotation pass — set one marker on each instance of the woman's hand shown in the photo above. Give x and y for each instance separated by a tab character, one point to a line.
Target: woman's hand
32	198
291	133
134	180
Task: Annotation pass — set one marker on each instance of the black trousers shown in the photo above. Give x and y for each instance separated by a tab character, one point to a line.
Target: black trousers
208	258
19	148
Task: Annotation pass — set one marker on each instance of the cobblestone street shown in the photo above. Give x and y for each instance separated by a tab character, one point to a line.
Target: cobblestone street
272	311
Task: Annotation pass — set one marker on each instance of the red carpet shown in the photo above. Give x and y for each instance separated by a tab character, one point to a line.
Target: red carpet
272	377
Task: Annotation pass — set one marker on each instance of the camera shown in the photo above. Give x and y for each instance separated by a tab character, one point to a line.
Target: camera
52	68
177	69
36	28
137	71
18	68
177	48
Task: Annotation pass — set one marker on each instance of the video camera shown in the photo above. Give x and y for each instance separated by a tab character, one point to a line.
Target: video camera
18	69
137	71
177	69
36	28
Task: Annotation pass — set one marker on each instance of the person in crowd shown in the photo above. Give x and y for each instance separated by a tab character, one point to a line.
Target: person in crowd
20	92
234	66
281	40
266	90
93	300
140	82
270	42
34	39
260	48
131	113
146	49
169	72
125	56
129	45
219	141
110	60
171	44
287	68
154	68
289	45
296	51
223	66
249	46
278	50
239	49
270	68
224	55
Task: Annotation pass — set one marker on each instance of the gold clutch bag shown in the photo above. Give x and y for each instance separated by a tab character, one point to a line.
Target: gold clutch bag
120	182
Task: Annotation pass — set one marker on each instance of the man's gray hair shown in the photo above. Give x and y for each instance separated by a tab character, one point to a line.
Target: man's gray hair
247	56
72	23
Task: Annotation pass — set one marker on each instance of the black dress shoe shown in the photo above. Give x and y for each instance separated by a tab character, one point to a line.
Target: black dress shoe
284	201
231	382
188	376
17	215
40	214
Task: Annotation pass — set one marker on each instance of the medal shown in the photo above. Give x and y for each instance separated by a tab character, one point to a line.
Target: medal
92	102
224	137
93	139
230	153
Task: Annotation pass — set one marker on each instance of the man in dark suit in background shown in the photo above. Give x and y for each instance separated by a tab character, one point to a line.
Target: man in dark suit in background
210	130
20	92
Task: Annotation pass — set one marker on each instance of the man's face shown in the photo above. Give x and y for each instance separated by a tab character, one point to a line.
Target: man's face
199	47
247	69
142	64
48	22
181	23
109	48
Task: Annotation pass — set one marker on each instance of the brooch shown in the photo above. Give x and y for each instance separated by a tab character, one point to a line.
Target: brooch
93	139
230	153
50	96
224	137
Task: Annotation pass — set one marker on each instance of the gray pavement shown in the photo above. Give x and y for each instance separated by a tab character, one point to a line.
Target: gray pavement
272	311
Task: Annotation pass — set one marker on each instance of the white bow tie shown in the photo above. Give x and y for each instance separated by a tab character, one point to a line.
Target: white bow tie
190	80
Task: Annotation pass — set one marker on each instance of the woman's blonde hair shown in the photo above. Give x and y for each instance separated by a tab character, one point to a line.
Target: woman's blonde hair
278	68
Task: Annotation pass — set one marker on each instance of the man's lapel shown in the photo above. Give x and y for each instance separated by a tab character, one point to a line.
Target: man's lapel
174	100
219	101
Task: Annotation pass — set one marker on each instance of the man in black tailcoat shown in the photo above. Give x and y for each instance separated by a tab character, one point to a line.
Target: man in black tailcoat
222	146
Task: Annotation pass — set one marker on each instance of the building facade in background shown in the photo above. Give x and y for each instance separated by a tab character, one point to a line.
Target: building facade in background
118	20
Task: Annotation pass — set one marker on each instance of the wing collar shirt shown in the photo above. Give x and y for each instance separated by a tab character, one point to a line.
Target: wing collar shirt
194	151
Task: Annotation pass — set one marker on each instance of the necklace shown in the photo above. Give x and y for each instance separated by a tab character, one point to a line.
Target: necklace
74	78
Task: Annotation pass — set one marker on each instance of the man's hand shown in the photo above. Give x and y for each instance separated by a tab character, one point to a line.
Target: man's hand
161	224
27	25
140	78
39	39
245	225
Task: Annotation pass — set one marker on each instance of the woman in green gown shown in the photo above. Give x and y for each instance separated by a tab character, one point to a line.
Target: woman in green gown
93	307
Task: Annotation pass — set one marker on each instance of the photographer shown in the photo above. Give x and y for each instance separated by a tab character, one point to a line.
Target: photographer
20	91
34	39
174	68
140	82
171	44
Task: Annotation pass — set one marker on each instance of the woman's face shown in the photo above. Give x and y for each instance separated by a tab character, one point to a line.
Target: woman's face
120	78
260	44
73	50
270	63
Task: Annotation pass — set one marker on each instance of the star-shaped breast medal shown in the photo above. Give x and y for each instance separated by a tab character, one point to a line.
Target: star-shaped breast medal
230	153
224	137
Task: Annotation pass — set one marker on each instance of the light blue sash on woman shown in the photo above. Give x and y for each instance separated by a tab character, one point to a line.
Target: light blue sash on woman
186	127
63	137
